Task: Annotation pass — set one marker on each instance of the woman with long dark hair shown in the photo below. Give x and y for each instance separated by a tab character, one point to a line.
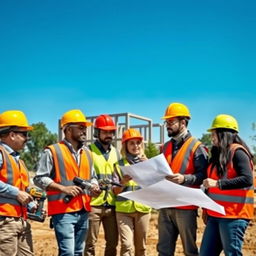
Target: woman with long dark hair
229	183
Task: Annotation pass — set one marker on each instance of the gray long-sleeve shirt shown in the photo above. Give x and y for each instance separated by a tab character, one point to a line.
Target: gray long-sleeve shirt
8	190
45	171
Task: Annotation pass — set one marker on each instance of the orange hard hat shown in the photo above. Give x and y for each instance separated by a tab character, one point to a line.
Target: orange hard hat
14	118
176	110
105	122
74	116
131	134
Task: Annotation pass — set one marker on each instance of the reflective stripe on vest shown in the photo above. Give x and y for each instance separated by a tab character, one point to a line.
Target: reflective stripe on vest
104	169
15	174
238	203
183	161
126	205
66	169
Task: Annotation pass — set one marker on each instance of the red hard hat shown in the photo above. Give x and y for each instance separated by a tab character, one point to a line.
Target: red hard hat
105	122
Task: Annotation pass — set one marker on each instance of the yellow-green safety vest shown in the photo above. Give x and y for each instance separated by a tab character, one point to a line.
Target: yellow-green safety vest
104	169
123	204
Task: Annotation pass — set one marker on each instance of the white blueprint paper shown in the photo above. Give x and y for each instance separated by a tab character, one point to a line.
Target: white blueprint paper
148	172
158	192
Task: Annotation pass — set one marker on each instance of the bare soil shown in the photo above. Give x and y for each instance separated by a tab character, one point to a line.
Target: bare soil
45	242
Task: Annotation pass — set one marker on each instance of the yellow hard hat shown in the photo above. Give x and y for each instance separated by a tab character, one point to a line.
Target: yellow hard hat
74	116
176	110
14	118
224	121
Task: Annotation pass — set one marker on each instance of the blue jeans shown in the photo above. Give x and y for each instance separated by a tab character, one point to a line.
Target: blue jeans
173	222
70	230
223	234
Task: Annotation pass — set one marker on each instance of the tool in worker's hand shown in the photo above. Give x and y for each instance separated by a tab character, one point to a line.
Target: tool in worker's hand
83	184
106	184
39	196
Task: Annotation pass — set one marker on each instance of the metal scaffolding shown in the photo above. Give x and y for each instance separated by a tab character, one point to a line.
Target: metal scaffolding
151	132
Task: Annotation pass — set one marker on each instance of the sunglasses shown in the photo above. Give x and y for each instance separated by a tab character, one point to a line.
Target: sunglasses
23	133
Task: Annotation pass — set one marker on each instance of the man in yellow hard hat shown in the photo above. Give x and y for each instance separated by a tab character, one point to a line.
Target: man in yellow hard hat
188	160
15	231
69	204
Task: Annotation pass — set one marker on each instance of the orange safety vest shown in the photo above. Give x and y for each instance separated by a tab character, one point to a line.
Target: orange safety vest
66	169
238	203
15	174
183	161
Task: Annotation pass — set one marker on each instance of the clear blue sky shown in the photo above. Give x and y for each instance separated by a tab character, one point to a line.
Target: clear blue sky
129	56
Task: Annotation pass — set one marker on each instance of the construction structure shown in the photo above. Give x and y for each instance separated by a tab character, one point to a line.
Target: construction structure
152	132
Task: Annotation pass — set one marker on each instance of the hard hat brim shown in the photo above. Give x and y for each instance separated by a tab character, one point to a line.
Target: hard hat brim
26	128
107	128
133	138
168	117
87	124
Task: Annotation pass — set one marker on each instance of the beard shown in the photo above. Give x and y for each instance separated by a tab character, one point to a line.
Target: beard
106	141
172	133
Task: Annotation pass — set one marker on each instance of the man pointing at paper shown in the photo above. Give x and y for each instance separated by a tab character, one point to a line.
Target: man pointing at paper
188	160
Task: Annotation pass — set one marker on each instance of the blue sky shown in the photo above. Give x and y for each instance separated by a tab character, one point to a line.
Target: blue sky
129	56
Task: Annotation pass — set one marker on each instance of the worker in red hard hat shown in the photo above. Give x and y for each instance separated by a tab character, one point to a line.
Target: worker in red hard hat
103	207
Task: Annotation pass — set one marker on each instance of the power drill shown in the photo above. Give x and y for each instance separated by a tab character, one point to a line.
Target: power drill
83	184
106	184
38	195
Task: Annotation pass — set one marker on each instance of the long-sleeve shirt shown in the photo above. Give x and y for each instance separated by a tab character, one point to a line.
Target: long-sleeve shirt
8	190
241	163
45	172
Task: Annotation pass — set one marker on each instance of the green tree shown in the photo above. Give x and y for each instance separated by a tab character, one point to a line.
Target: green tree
40	137
253	137
206	140
151	150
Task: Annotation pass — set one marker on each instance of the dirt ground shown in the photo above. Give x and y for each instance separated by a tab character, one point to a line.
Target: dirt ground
45	243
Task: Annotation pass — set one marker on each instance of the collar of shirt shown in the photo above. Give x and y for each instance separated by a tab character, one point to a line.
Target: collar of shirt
76	154
101	148
71	148
10	151
179	141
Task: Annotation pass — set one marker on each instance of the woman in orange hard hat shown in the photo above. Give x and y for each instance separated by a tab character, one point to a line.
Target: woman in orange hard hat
230	184
132	217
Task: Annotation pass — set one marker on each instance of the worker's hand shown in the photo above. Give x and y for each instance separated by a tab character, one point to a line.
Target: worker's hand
95	190
176	178
143	158
33	206
72	190
210	183
24	198
126	178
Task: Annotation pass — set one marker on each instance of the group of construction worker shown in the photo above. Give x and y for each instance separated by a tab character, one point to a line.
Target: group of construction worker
77	212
